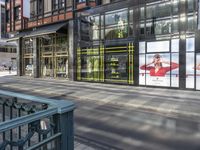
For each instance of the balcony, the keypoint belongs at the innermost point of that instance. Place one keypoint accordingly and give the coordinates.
(29, 122)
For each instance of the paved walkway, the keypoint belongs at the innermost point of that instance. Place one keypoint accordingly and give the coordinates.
(123, 117)
(6, 73)
(174, 101)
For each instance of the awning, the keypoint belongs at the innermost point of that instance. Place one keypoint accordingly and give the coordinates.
(5, 44)
(17, 36)
(48, 29)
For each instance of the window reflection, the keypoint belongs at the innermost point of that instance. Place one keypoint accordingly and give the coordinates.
(116, 25)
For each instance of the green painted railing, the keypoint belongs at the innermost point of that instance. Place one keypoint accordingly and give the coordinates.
(30, 122)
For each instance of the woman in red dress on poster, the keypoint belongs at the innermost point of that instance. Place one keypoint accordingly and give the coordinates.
(198, 67)
(158, 69)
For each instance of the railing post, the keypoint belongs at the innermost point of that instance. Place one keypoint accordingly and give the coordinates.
(67, 129)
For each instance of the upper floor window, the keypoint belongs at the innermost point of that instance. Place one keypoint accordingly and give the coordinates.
(69, 3)
(7, 16)
(191, 5)
(116, 25)
(47, 6)
(40, 6)
(17, 13)
(33, 8)
(55, 4)
(62, 4)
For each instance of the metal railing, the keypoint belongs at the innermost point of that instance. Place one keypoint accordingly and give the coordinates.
(35, 123)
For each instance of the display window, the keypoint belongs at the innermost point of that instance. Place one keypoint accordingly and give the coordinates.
(119, 64)
(106, 64)
(116, 24)
(54, 56)
(90, 64)
(28, 57)
(159, 64)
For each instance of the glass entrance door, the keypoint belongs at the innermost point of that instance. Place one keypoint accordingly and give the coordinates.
(28, 66)
(47, 67)
(61, 67)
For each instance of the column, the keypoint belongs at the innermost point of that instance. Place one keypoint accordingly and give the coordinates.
(36, 58)
(72, 58)
(19, 57)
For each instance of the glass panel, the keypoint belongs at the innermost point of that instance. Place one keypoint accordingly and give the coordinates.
(175, 6)
(142, 47)
(116, 25)
(163, 27)
(95, 27)
(47, 67)
(142, 76)
(190, 5)
(62, 67)
(47, 6)
(116, 66)
(131, 22)
(142, 16)
(69, 3)
(175, 26)
(159, 10)
(192, 23)
(190, 70)
(198, 72)
(90, 68)
(175, 72)
(190, 44)
(28, 63)
(175, 45)
(160, 46)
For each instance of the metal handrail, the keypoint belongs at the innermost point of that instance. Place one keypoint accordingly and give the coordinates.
(60, 110)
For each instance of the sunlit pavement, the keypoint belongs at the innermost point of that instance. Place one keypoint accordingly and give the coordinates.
(122, 117)
(7, 73)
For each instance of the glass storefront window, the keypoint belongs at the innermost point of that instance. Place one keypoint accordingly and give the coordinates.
(117, 66)
(116, 25)
(192, 23)
(90, 64)
(159, 66)
(95, 27)
(54, 55)
(142, 13)
(175, 6)
(162, 27)
(131, 22)
(190, 57)
(28, 57)
(191, 5)
(175, 25)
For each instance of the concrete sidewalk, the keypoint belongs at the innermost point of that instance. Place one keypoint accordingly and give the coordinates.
(122, 117)
(168, 101)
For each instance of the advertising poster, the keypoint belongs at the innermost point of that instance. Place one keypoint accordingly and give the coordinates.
(142, 72)
(198, 72)
(158, 68)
